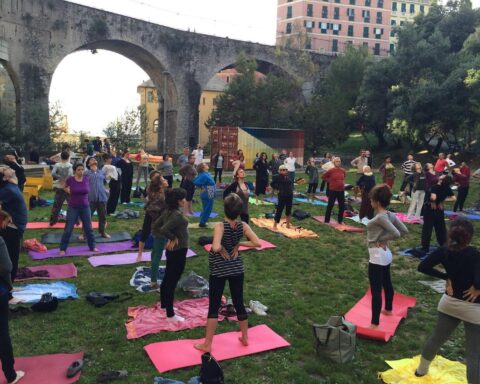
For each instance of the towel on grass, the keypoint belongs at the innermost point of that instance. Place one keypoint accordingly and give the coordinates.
(31, 293)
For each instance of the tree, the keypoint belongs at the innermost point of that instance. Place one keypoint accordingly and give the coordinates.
(126, 131)
(57, 121)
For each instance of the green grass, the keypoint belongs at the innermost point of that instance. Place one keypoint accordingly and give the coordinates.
(302, 282)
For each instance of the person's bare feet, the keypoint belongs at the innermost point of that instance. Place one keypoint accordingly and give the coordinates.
(387, 313)
(81, 237)
(275, 227)
(94, 249)
(204, 347)
(19, 377)
(61, 253)
(105, 235)
(154, 285)
(373, 326)
(243, 340)
(289, 225)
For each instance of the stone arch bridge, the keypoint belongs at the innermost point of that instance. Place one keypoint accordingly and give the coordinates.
(36, 35)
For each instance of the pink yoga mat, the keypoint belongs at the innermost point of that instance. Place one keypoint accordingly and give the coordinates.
(169, 355)
(45, 225)
(361, 316)
(55, 272)
(125, 258)
(263, 245)
(46, 369)
(339, 227)
(83, 250)
(403, 217)
(150, 320)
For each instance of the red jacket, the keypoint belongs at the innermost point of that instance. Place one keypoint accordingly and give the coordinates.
(465, 170)
(335, 178)
(440, 165)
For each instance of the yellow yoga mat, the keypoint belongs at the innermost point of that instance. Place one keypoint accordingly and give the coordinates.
(441, 370)
(292, 233)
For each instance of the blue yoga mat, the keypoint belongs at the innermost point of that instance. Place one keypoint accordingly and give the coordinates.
(213, 214)
(315, 202)
(463, 215)
(31, 293)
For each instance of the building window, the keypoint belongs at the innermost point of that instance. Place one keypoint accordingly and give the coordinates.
(392, 48)
(412, 8)
(351, 2)
(150, 97)
(309, 25)
(155, 125)
(334, 45)
(422, 9)
(289, 30)
(214, 101)
(203, 100)
(351, 14)
(402, 23)
(289, 12)
(368, 3)
(365, 31)
(380, 4)
(337, 1)
(336, 28)
(379, 17)
(349, 42)
(324, 11)
(323, 27)
(336, 13)
(393, 24)
(378, 32)
(365, 45)
(366, 16)
(309, 10)
(350, 30)
(403, 8)
(308, 44)
(376, 49)
(394, 6)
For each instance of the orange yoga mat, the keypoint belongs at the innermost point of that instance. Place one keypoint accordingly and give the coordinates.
(339, 227)
(263, 245)
(361, 316)
(170, 355)
(45, 225)
(46, 369)
(292, 233)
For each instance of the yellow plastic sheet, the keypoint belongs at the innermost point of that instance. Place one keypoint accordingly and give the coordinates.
(292, 233)
(441, 371)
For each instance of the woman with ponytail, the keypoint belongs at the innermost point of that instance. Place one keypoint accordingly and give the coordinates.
(461, 301)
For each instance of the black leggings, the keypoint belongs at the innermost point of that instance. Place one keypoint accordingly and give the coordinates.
(462, 196)
(13, 239)
(146, 227)
(340, 197)
(115, 187)
(379, 277)
(433, 218)
(245, 217)
(283, 202)
(312, 187)
(175, 265)
(6, 351)
(217, 285)
(218, 172)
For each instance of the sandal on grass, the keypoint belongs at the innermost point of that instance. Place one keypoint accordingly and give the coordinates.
(111, 375)
(74, 368)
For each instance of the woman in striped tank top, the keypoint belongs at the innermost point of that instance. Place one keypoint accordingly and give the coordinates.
(225, 263)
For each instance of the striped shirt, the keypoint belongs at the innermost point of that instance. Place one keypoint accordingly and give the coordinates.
(220, 267)
(408, 167)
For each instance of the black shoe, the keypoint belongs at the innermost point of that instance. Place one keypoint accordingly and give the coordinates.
(417, 374)
(202, 225)
(74, 368)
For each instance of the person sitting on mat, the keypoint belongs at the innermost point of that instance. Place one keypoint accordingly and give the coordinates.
(240, 187)
(335, 178)
(77, 187)
(284, 185)
(173, 226)
(433, 213)
(460, 302)
(205, 181)
(225, 264)
(383, 227)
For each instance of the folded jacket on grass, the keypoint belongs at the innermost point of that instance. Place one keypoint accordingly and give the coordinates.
(292, 233)
(441, 371)
(46, 369)
(263, 245)
(31, 293)
(361, 316)
(82, 250)
(56, 237)
(150, 320)
(169, 355)
(54, 272)
(45, 225)
(142, 277)
(339, 227)
(125, 258)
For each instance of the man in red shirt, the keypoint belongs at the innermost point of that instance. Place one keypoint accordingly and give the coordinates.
(440, 165)
(335, 178)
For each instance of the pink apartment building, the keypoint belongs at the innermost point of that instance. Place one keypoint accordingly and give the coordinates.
(328, 26)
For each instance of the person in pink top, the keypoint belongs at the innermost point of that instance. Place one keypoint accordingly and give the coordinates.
(440, 165)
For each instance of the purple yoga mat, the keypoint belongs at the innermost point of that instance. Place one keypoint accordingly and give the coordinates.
(55, 272)
(82, 250)
(125, 258)
(212, 215)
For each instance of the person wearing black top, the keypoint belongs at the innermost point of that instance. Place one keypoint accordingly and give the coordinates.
(461, 301)
(274, 163)
(218, 162)
(261, 179)
(284, 185)
(126, 168)
(366, 182)
(433, 212)
(11, 161)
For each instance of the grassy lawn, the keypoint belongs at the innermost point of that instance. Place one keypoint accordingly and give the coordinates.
(302, 282)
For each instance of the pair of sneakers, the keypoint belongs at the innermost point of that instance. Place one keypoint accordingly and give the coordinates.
(258, 308)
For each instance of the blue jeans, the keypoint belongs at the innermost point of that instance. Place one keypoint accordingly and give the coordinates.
(73, 214)
(207, 206)
(291, 176)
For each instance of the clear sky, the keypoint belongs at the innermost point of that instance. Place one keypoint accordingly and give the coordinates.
(94, 89)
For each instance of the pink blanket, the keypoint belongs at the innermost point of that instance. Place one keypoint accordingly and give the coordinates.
(405, 219)
(55, 272)
(147, 320)
(169, 355)
(263, 245)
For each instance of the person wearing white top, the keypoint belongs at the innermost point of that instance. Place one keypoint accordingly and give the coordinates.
(198, 152)
(113, 180)
(450, 162)
(290, 163)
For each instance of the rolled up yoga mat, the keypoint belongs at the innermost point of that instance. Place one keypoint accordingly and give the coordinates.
(56, 237)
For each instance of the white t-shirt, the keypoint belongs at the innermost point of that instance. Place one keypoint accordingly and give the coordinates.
(290, 163)
(380, 256)
(110, 172)
(198, 156)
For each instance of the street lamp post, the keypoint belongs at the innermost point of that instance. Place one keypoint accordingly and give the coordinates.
(164, 144)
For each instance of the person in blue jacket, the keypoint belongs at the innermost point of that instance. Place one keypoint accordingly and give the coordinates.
(205, 182)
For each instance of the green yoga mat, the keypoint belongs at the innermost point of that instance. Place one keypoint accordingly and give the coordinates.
(55, 238)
